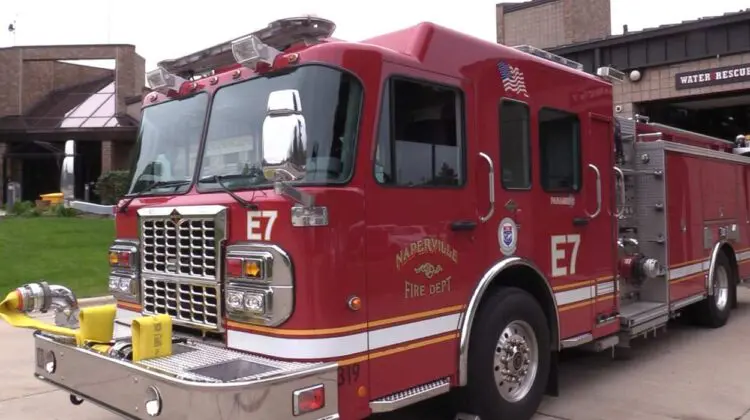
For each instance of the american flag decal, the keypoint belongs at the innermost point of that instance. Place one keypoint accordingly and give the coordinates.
(513, 80)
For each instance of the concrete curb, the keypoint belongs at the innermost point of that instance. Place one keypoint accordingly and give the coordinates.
(95, 301)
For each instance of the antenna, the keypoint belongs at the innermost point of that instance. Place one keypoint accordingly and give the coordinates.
(12, 29)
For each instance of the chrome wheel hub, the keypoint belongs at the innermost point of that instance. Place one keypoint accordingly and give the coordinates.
(516, 361)
(721, 288)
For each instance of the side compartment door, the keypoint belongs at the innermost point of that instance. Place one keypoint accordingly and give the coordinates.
(421, 224)
(575, 197)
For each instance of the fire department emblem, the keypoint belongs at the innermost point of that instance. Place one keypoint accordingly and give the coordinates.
(507, 235)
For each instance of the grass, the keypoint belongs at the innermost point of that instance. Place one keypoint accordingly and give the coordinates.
(67, 251)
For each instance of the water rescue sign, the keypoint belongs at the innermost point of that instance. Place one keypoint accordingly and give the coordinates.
(712, 77)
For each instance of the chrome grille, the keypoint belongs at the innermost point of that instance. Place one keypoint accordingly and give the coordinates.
(185, 246)
(191, 303)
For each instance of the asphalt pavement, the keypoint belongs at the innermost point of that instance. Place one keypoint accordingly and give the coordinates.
(687, 373)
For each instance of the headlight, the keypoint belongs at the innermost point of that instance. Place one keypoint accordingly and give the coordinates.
(259, 287)
(245, 303)
(124, 281)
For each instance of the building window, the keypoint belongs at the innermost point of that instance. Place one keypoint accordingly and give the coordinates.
(560, 150)
(420, 141)
(515, 150)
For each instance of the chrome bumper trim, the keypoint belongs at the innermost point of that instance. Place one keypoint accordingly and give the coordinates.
(122, 387)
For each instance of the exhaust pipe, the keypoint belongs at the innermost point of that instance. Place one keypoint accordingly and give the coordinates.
(42, 297)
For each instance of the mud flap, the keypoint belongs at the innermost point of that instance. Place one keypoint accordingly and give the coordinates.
(553, 385)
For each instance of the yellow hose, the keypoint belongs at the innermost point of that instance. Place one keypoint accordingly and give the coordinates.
(96, 322)
(152, 335)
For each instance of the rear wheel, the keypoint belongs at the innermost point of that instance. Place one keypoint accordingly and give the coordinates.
(714, 311)
(509, 357)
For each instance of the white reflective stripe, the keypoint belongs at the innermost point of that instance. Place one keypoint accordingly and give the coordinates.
(605, 288)
(584, 293)
(413, 331)
(689, 270)
(331, 347)
(574, 295)
(298, 348)
(699, 267)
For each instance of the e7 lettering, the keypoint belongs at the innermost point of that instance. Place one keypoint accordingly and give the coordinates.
(255, 231)
(561, 265)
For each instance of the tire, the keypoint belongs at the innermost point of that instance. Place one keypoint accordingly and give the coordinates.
(507, 310)
(714, 311)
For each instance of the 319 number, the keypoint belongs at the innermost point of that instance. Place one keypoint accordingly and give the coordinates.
(348, 374)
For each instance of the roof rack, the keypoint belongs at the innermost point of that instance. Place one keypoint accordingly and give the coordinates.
(279, 34)
(549, 56)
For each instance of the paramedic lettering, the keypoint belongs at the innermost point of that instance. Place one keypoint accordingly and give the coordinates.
(512, 77)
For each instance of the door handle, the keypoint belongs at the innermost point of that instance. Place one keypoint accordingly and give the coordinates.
(486, 217)
(598, 192)
(463, 225)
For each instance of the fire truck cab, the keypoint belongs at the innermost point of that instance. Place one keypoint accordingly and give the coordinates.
(337, 229)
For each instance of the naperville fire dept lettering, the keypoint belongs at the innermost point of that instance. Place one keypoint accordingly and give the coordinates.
(430, 271)
(423, 247)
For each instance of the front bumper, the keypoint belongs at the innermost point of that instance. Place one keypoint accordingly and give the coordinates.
(196, 382)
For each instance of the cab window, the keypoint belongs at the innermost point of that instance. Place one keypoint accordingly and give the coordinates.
(559, 150)
(515, 147)
(420, 139)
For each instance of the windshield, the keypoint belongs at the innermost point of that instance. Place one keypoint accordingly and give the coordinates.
(330, 103)
(167, 146)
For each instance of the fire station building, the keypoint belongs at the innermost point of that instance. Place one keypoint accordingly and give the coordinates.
(693, 75)
(46, 99)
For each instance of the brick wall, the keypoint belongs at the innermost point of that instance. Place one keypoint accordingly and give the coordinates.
(10, 81)
(41, 77)
(541, 26)
(30, 73)
(551, 23)
(659, 82)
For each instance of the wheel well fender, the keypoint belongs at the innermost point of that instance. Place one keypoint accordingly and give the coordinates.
(509, 272)
(726, 248)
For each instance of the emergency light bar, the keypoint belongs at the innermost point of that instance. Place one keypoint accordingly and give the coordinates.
(549, 56)
(261, 45)
(162, 81)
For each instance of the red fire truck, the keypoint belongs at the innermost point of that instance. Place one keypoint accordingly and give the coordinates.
(345, 228)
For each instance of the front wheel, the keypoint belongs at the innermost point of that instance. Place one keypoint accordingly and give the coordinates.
(509, 357)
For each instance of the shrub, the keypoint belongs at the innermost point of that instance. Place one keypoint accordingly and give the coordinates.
(21, 208)
(111, 186)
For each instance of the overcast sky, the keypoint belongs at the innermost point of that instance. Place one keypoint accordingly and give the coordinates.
(162, 30)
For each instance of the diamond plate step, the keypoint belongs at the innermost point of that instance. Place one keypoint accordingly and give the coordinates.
(410, 396)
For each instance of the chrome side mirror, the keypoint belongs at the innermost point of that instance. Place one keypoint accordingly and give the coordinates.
(284, 145)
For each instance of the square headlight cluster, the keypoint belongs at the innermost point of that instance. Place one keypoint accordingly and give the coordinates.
(123, 271)
(248, 295)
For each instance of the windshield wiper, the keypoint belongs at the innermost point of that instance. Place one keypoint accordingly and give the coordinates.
(157, 184)
(219, 180)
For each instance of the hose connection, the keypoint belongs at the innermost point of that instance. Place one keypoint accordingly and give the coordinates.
(42, 297)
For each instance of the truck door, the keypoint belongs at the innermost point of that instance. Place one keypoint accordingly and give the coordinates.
(420, 221)
(573, 215)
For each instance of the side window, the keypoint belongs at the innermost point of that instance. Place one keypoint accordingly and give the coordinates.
(560, 150)
(515, 147)
(420, 139)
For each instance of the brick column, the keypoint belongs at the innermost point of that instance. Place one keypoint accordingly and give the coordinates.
(106, 156)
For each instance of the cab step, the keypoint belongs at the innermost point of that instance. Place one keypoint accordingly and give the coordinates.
(410, 396)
